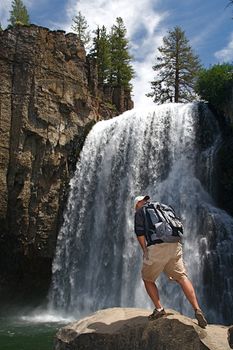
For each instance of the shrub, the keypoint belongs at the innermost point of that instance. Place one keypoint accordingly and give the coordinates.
(215, 84)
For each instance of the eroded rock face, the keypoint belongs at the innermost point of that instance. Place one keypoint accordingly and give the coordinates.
(224, 164)
(224, 156)
(47, 106)
(228, 109)
(128, 328)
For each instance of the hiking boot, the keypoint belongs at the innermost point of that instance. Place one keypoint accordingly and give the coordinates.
(156, 314)
(200, 318)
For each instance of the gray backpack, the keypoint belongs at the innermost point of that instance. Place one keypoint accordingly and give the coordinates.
(162, 224)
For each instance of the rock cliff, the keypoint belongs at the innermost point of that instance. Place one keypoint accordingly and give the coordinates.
(224, 157)
(128, 328)
(49, 99)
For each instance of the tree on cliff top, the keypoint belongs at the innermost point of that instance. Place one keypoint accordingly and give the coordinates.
(101, 53)
(18, 14)
(177, 67)
(80, 26)
(215, 84)
(0, 26)
(121, 69)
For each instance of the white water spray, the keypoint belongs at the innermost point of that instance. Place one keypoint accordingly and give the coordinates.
(98, 260)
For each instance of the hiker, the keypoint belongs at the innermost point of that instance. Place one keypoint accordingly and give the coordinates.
(162, 251)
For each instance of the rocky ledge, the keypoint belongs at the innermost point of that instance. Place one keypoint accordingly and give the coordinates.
(129, 328)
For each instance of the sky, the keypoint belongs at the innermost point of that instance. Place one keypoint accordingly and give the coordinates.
(208, 25)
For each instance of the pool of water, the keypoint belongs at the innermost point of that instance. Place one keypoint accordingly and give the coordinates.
(28, 333)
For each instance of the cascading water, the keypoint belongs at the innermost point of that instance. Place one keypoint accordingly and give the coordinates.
(98, 259)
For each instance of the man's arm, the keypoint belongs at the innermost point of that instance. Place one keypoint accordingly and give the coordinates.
(142, 242)
(139, 227)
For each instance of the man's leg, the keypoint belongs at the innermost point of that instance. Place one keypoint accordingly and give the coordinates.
(189, 291)
(175, 269)
(153, 293)
(153, 265)
(185, 284)
(190, 294)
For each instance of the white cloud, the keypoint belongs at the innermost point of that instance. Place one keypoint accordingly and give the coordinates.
(144, 71)
(5, 6)
(99, 12)
(226, 54)
(139, 17)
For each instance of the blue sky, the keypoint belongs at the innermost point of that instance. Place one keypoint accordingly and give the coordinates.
(207, 23)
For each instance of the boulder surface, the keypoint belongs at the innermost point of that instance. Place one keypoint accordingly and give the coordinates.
(129, 328)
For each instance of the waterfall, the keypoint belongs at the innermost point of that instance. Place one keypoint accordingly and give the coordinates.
(98, 259)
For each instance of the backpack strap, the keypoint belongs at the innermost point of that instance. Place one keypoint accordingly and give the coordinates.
(160, 213)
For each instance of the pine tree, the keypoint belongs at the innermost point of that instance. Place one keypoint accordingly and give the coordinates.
(18, 14)
(0, 27)
(101, 53)
(121, 69)
(80, 26)
(177, 67)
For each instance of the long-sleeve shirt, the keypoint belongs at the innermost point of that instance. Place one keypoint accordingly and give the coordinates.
(139, 222)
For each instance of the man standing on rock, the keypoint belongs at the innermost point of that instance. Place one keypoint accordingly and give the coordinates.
(161, 255)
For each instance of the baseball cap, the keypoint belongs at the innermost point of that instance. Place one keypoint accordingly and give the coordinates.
(140, 198)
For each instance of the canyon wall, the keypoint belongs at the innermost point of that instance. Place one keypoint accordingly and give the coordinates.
(49, 100)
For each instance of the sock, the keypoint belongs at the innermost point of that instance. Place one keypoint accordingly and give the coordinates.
(160, 309)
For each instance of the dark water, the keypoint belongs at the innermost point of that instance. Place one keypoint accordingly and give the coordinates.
(19, 334)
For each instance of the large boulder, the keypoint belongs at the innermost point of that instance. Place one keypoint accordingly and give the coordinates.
(129, 328)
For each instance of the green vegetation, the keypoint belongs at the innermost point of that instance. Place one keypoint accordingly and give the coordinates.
(0, 26)
(80, 26)
(102, 54)
(18, 14)
(121, 69)
(215, 84)
(177, 67)
(111, 52)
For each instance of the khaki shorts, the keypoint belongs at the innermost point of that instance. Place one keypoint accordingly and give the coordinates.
(164, 257)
